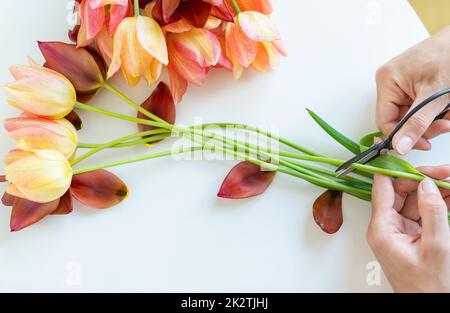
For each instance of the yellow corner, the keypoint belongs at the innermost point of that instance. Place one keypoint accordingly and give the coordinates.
(435, 14)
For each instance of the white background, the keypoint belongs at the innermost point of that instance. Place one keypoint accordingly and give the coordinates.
(173, 234)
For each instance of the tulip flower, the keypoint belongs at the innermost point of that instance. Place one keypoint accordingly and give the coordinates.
(253, 40)
(38, 133)
(97, 189)
(84, 68)
(40, 91)
(41, 176)
(95, 14)
(139, 50)
(191, 54)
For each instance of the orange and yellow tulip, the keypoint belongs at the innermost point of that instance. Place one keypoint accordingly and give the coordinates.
(139, 50)
(40, 91)
(39, 133)
(41, 176)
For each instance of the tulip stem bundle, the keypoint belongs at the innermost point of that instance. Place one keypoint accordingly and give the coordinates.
(280, 161)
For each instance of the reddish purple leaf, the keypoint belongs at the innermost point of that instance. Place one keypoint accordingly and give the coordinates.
(195, 11)
(98, 189)
(327, 211)
(26, 213)
(245, 180)
(75, 120)
(65, 205)
(7, 199)
(161, 104)
(77, 64)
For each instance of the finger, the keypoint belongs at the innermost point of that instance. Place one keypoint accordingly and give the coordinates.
(391, 100)
(416, 126)
(434, 214)
(405, 186)
(383, 197)
(437, 128)
(441, 172)
(411, 209)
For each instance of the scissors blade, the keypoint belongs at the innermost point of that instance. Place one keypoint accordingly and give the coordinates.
(361, 158)
(369, 157)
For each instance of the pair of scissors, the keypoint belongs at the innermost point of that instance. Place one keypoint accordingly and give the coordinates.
(376, 150)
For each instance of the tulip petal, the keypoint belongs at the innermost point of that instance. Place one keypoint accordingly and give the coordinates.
(98, 189)
(198, 45)
(76, 64)
(258, 27)
(92, 19)
(161, 104)
(327, 211)
(266, 58)
(168, 8)
(3, 179)
(151, 38)
(65, 205)
(180, 26)
(239, 46)
(116, 14)
(188, 69)
(246, 180)
(261, 6)
(195, 11)
(222, 12)
(26, 213)
(105, 45)
(178, 85)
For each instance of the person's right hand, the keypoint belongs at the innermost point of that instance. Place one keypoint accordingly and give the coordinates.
(406, 81)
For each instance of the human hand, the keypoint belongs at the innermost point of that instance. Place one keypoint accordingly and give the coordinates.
(409, 232)
(407, 80)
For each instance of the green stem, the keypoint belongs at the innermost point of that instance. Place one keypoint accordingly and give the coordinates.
(155, 137)
(236, 6)
(111, 144)
(136, 159)
(137, 10)
(265, 133)
(371, 169)
(85, 107)
(132, 103)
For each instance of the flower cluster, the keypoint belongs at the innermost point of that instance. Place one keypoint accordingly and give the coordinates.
(38, 169)
(188, 37)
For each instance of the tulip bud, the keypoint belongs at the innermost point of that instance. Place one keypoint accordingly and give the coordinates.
(41, 176)
(40, 91)
(39, 133)
(82, 67)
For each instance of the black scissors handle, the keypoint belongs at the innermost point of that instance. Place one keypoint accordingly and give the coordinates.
(416, 109)
(375, 151)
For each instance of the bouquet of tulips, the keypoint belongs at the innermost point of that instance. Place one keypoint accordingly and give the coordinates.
(43, 174)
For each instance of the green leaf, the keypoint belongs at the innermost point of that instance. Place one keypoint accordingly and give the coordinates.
(336, 135)
(391, 162)
(369, 140)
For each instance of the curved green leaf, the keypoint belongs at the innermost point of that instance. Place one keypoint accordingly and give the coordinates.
(369, 140)
(393, 163)
(336, 135)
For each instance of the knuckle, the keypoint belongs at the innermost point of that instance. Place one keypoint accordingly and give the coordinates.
(383, 72)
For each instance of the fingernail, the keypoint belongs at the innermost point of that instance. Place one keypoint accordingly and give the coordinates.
(404, 145)
(429, 186)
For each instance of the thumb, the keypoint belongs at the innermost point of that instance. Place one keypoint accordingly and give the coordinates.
(417, 125)
(434, 214)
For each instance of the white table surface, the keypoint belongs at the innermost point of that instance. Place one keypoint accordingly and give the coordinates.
(173, 234)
